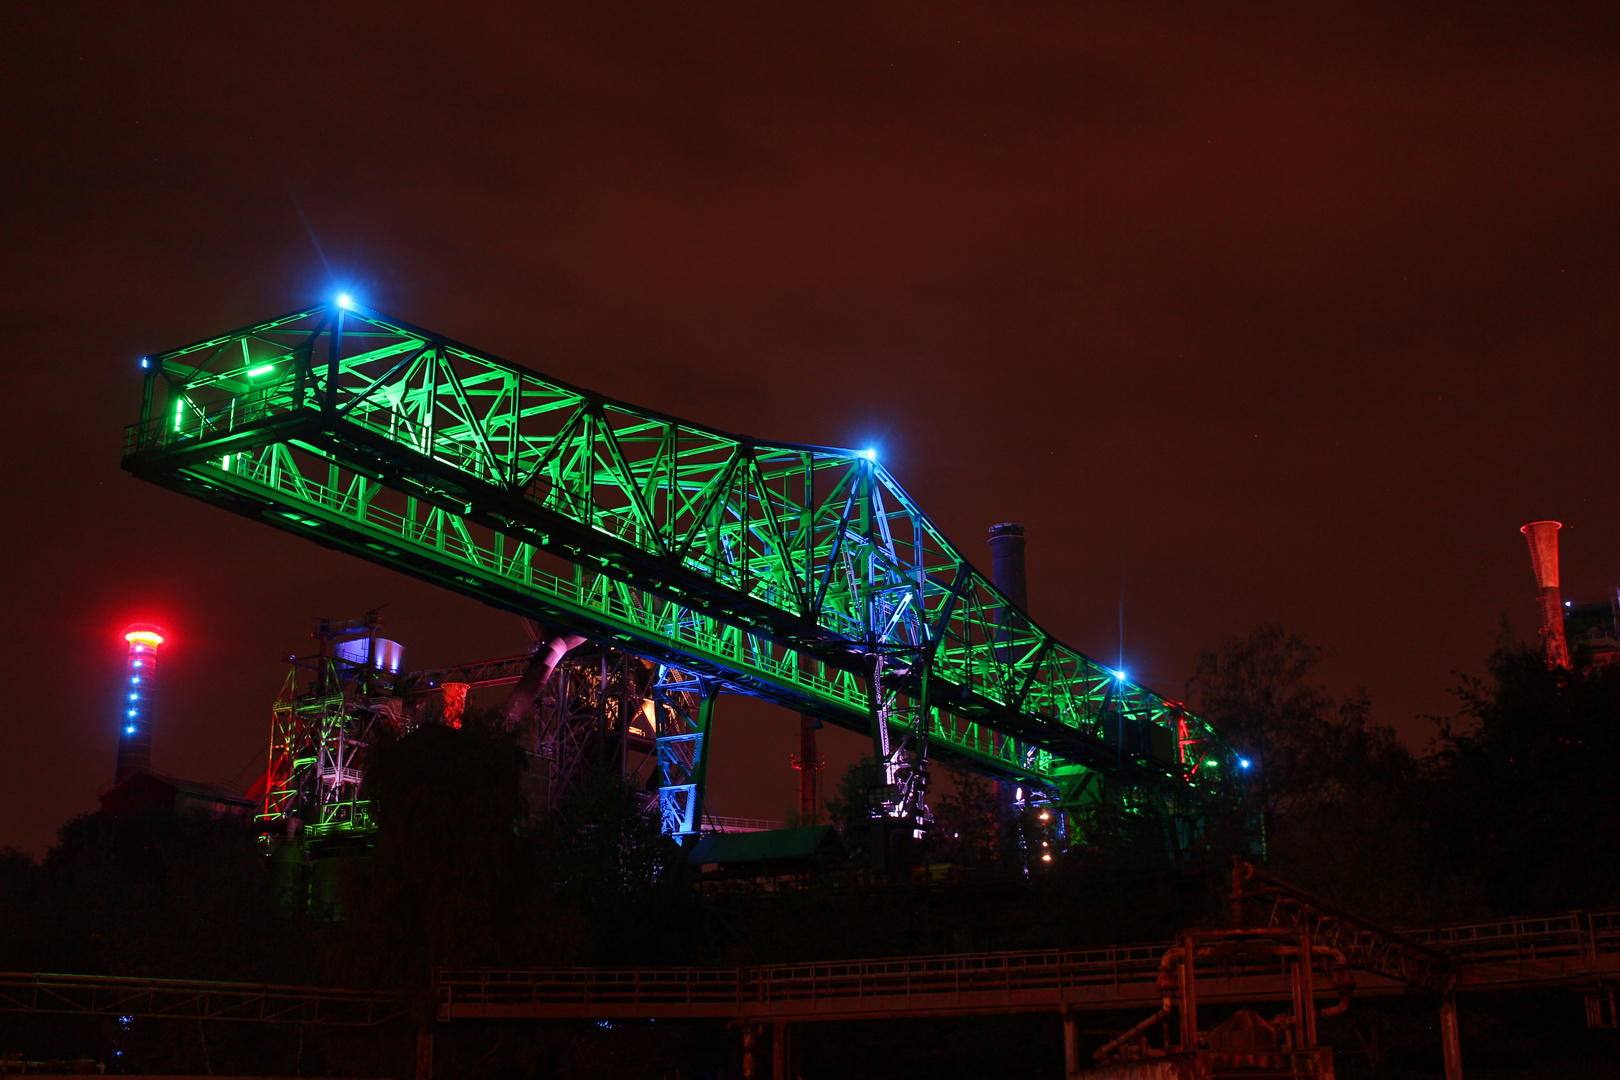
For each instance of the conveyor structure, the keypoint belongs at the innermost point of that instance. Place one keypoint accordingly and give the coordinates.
(801, 574)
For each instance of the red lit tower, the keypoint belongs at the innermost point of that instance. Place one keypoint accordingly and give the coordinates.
(1543, 539)
(135, 717)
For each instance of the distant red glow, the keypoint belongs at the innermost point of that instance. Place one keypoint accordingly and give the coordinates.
(455, 702)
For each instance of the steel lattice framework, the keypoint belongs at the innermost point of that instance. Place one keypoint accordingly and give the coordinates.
(801, 574)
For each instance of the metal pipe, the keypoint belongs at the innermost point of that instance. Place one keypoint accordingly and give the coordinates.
(543, 663)
(1167, 982)
(1344, 980)
(1108, 1048)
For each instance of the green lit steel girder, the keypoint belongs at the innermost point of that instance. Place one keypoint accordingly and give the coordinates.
(784, 571)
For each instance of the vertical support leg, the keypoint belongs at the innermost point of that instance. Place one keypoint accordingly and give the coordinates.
(779, 1051)
(1189, 997)
(424, 1053)
(1071, 1044)
(1450, 1043)
(877, 835)
(880, 721)
(748, 1050)
(808, 763)
(705, 722)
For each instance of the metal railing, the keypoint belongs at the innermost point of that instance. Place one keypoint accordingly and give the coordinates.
(721, 823)
(1574, 948)
(39, 992)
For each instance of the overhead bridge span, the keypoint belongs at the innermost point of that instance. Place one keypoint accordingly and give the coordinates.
(804, 575)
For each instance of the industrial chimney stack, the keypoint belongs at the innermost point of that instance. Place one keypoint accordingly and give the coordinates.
(1007, 574)
(1007, 563)
(135, 726)
(1543, 539)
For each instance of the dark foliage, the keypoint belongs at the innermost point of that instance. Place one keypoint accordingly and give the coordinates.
(1510, 812)
(1521, 788)
(156, 894)
(450, 881)
(1330, 798)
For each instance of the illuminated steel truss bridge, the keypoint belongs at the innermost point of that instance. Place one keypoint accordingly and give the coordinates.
(804, 575)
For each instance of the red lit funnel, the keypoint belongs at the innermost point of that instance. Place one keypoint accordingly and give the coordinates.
(1543, 538)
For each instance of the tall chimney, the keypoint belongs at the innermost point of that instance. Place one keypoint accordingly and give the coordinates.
(135, 723)
(1543, 538)
(1007, 563)
(1007, 574)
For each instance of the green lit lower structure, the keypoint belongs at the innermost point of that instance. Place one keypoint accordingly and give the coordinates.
(800, 574)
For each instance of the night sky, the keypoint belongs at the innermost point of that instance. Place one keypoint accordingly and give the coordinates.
(1248, 311)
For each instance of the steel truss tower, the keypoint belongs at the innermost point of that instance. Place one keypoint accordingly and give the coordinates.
(804, 575)
(601, 708)
(321, 733)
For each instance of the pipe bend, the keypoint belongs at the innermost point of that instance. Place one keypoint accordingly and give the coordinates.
(541, 665)
(1109, 1047)
(1344, 980)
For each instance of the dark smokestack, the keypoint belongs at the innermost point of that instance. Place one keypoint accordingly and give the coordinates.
(1543, 539)
(1007, 574)
(1007, 563)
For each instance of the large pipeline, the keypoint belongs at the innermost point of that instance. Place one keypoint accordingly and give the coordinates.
(541, 665)
(1167, 987)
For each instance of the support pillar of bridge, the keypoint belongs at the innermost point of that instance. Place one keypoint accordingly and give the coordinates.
(749, 1039)
(700, 782)
(877, 842)
(1071, 1044)
(781, 1061)
(424, 1053)
(808, 761)
(1450, 1042)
